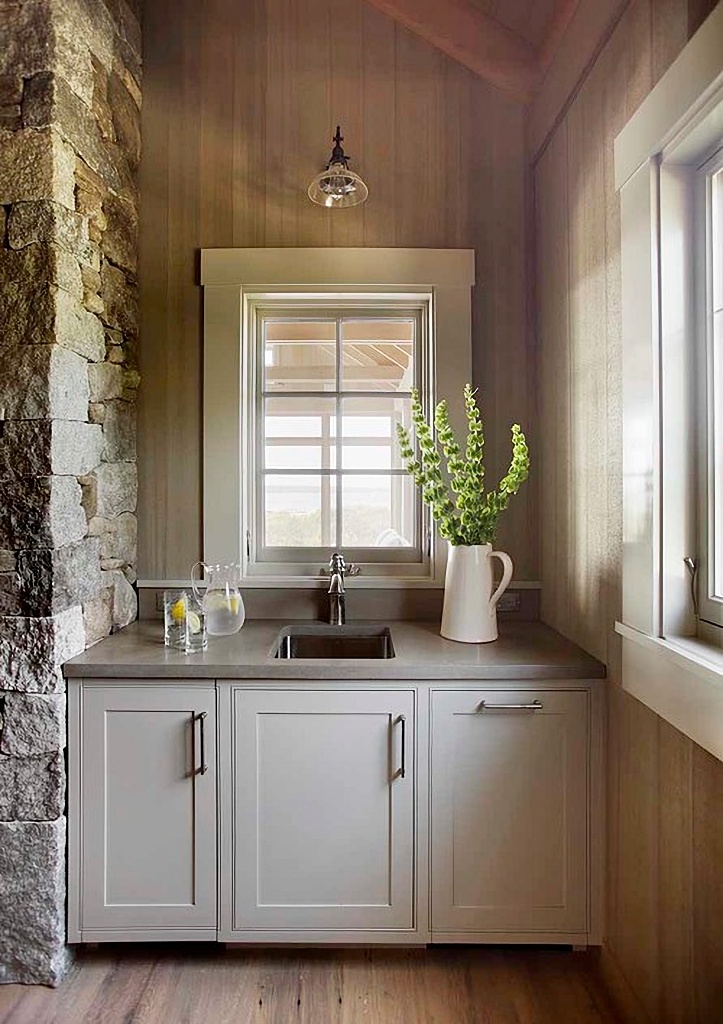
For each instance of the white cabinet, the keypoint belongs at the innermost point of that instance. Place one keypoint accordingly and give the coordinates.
(348, 812)
(142, 811)
(509, 826)
(320, 792)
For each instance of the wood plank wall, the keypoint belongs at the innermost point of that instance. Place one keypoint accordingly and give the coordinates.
(665, 794)
(240, 103)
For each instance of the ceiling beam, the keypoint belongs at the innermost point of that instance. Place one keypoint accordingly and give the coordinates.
(473, 38)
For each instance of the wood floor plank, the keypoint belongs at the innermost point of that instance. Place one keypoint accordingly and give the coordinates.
(207, 985)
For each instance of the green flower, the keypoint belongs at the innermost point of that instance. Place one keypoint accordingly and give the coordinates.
(464, 513)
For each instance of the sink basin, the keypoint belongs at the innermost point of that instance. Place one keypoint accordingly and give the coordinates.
(333, 642)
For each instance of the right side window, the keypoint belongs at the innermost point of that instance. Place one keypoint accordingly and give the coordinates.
(710, 251)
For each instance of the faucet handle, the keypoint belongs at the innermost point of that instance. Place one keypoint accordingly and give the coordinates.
(337, 563)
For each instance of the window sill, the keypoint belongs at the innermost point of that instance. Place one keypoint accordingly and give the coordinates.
(321, 583)
(680, 679)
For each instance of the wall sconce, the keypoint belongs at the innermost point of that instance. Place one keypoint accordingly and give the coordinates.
(337, 185)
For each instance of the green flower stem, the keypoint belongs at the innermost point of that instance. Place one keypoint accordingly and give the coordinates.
(462, 510)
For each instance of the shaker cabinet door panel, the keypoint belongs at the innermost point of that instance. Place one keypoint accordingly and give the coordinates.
(509, 811)
(323, 819)
(148, 826)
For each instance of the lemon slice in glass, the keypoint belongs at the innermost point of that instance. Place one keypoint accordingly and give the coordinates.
(194, 622)
(178, 610)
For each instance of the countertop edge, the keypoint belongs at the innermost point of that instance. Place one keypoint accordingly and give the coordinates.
(525, 652)
(310, 672)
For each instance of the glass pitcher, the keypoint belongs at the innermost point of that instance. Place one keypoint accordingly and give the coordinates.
(222, 601)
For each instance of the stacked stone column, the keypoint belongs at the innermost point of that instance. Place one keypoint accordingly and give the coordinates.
(69, 151)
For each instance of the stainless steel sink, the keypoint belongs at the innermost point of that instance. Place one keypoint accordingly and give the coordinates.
(332, 642)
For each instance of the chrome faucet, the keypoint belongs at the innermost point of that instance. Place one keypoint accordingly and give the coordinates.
(337, 593)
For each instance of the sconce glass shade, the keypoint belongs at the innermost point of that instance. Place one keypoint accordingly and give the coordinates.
(337, 186)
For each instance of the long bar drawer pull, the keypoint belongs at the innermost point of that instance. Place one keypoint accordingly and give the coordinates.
(403, 770)
(536, 705)
(203, 768)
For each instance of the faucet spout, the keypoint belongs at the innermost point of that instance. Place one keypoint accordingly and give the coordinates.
(337, 591)
(337, 609)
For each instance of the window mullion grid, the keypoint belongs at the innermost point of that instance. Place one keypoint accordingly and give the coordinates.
(336, 473)
(339, 518)
(258, 540)
(325, 482)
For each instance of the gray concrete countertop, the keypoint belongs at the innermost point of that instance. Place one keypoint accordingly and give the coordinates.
(524, 650)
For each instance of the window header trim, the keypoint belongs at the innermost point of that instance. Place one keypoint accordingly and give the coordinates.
(324, 267)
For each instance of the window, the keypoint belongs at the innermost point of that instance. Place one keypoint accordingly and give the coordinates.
(710, 329)
(310, 356)
(329, 382)
(668, 172)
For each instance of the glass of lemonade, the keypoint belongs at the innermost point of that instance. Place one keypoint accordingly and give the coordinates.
(184, 622)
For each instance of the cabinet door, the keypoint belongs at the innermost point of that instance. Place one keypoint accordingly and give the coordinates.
(148, 813)
(509, 812)
(323, 814)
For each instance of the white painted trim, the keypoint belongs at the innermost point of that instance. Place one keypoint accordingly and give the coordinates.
(641, 400)
(319, 267)
(681, 679)
(680, 99)
(596, 816)
(228, 275)
(710, 606)
(146, 935)
(676, 376)
(222, 415)
(75, 802)
(656, 155)
(413, 563)
(511, 938)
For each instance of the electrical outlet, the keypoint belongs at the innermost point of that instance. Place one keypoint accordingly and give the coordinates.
(511, 601)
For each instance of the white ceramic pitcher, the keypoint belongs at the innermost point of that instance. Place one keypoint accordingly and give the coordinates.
(470, 607)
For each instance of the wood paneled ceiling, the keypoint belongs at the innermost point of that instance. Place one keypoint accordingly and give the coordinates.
(526, 18)
(510, 43)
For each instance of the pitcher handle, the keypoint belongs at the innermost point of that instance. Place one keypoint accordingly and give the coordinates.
(506, 576)
(194, 582)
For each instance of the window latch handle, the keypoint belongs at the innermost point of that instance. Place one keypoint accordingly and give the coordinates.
(692, 566)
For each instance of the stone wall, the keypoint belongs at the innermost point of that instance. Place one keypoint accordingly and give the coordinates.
(69, 150)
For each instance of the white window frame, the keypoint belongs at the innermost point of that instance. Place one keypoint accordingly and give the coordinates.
(710, 606)
(389, 562)
(670, 661)
(233, 281)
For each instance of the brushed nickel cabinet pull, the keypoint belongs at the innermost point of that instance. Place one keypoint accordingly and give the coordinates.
(403, 769)
(203, 768)
(536, 705)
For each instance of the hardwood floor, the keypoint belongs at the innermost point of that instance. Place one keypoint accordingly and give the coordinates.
(198, 985)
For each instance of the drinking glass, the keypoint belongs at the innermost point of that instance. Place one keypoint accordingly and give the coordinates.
(184, 622)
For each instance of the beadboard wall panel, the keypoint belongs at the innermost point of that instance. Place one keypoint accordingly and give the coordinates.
(240, 103)
(664, 924)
